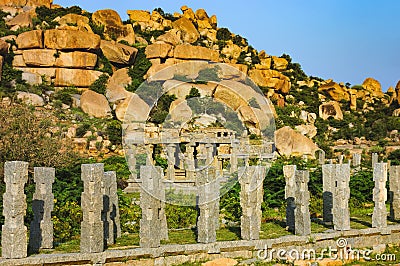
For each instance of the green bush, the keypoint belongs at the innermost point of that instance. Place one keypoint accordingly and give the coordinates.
(130, 213)
(223, 34)
(194, 93)
(394, 156)
(361, 188)
(138, 70)
(100, 84)
(65, 95)
(114, 132)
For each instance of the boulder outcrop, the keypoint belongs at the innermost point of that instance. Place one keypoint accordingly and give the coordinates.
(71, 39)
(291, 143)
(330, 109)
(95, 104)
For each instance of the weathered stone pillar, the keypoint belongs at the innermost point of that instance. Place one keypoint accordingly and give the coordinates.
(375, 159)
(14, 239)
(234, 154)
(340, 159)
(328, 180)
(153, 223)
(171, 149)
(133, 185)
(251, 197)
(302, 200)
(92, 226)
(108, 224)
(356, 160)
(208, 205)
(394, 179)
(149, 150)
(289, 172)
(190, 161)
(41, 230)
(114, 205)
(321, 157)
(379, 215)
(209, 154)
(341, 212)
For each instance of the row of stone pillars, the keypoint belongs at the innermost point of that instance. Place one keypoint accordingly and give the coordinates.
(100, 225)
(153, 225)
(336, 195)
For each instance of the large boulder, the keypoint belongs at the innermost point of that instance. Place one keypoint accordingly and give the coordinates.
(4, 47)
(118, 53)
(172, 37)
(271, 79)
(36, 3)
(39, 57)
(373, 86)
(23, 20)
(95, 104)
(71, 39)
(132, 109)
(13, 3)
(116, 86)
(139, 15)
(76, 77)
(279, 63)
(291, 143)
(32, 78)
(73, 19)
(180, 111)
(189, 31)
(113, 26)
(30, 39)
(335, 91)
(30, 98)
(398, 92)
(330, 109)
(76, 59)
(49, 72)
(158, 50)
(187, 51)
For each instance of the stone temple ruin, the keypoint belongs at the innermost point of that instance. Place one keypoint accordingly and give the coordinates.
(201, 159)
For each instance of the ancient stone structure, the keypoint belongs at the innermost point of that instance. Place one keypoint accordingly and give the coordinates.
(375, 158)
(114, 214)
(379, 215)
(92, 226)
(41, 230)
(14, 238)
(131, 160)
(251, 196)
(321, 156)
(328, 179)
(302, 201)
(208, 204)
(394, 179)
(108, 223)
(340, 159)
(341, 212)
(153, 227)
(356, 160)
(289, 172)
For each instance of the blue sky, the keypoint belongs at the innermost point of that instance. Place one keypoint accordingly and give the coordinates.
(346, 40)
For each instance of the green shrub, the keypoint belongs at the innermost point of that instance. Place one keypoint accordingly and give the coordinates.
(65, 95)
(223, 34)
(114, 132)
(361, 188)
(100, 84)
(194, 93)
(130, 213)
(138, 70)
(394, 156)
(103, 64)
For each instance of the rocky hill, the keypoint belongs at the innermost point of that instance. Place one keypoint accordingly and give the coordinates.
(70, 61)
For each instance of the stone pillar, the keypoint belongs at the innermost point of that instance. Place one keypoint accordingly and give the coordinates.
(321, 157)
(133, 185)
(379, 215)
(356, 160)
(209, 154)
(41, 230)
(149, 150)
(251, 197)
(190, 161)
(208, 205)
(394, 179)
(92, 226)
(289, 172)
(375, 159)
(115, 218)
(328, 180)
(340, 159)
(302, 201)
(234, 154)
(107, 209)
(153, 223)
(341, 212)
(171, 149)
(14, 233)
